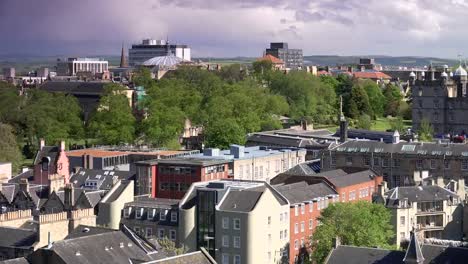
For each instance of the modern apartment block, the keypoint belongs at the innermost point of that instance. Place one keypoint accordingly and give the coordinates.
(153, 218)
(72, 66)
(236, 221)
(401, 163)
(171, 178)
(256, 163)
(150, 48)
(292, 58)
(432, 210)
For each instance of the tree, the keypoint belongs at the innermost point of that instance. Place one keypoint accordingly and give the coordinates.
(359, 102)
(376, 98)
(170, 247)
(426, 131)
(364, 122)
(113, 121)
(222, 133)
(262, 69)
(393, 99)
(357, 224)
(10, 150)
(232, 73)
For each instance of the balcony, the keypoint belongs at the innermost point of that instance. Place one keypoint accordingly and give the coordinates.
(430, 222)
(430, 207)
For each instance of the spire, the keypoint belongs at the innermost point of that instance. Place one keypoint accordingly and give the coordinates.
(123, 59)
(413, 252)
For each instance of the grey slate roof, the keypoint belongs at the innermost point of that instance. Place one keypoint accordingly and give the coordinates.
(340, 178)
(17, 237)
(47, 151)
(25, 175)
(107, 177)
(197, 257)
(241, 200)
(93, 196)
(117, 192)
(279, 140)
(432, 255)
(419, 193)
(144, 201)
(15, 261)
(84, 230)
(305, 168)
(303, 192)
(387, 137)
(408, 148)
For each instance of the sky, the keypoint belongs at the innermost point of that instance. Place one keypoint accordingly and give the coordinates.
(228, 28)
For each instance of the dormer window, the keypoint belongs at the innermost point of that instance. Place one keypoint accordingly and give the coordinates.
(151, 214)
(127, 212)
(139, 212)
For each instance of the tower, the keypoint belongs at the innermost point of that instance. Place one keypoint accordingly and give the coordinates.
(123, 59)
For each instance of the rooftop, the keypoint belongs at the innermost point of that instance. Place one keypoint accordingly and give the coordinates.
(195, 161)
(301, 192)
(144, 201)
(419, 194)
(240, 152)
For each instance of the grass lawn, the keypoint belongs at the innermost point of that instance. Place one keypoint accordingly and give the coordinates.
(383, 124)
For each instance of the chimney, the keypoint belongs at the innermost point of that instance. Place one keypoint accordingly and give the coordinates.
(382, 188)
(41, 143)
(68, 196)
(396, 137)
(440, 181)
(62, 146)
(24, 185)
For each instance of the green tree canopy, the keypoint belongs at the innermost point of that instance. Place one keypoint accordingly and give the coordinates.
(10, 151)
(357, 224)
(358, 102)
(393, 99)
(113, 121)
(364, 122)
(426, 131)
(376, 98)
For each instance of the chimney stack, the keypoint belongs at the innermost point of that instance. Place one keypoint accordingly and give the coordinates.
(41, 143)
(24, 185)
(68, 196)
(396, 137)
(62, 145)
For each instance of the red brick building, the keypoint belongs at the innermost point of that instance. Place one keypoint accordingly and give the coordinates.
(171, 178)
(49, 161)
(310, 194)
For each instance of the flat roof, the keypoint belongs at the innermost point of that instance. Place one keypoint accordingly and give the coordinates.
(110, 153)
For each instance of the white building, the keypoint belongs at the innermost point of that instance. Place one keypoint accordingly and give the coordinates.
(150, 48)
(74, 65)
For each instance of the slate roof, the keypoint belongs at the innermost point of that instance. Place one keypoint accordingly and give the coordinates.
(305, 168)
(105, 177)
(84, 230)
(432, 255)
(117, 192)
(107, 247)
(24, 175)
(197, 257)
(408, 148)
(154, 202)
(47, 151)
(240, 200)
(301, 192)
(279, 140)
(15, 261)
(74, 87)
(419, 194)
(11, 237)
(387, 137)
(35, 192)
(340, 178)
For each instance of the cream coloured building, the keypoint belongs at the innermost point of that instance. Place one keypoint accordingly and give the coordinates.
(257, 163)
(238, 221)
(434, 211)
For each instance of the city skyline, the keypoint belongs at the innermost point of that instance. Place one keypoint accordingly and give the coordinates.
(233, 28)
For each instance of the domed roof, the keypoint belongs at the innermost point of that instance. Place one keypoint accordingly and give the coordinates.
(412, 74)
(163, 61)
(460, 72)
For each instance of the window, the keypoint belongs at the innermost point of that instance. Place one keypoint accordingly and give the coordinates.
(161, 233)
(137, 229)
(333, 161)
(436, 116)
(269, 220)
(225, 223)
(402, 221)
(296, 210)
(162, 215)
(376, 161)
(261, 172)
(436, 103)
(367, 160)
(139, 213)
(385, 162)
(419, 164)
(396, 163)
(433, 163)
(269, 256)
(302, 208)
(302, 242)
(172, 234)
(225, 258)
(127, 212)
(269, 238)
(352, 195)
(281, 234)
(149, 232)
(237, 241)
(296, 244)
(464, 164)
(302, 226)
(225, 240)
(237, 259)
(447, 164)
(256, 173)
(236, 224)
(285, 234)
(349, 160)
(281, 217)
(311, 224)
(296, 228)
(343, 197)
(173, 216)
(151, 214)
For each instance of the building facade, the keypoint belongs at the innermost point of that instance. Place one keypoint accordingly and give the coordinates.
(439, 96)
(401, 163)
(236, 221)
(150, 48)
(73, 66)
(292, 58)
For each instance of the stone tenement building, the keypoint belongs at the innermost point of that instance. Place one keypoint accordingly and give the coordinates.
(441, 97)
(402, 163)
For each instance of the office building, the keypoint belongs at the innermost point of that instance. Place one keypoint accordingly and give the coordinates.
(73, 66)
(236, 221)
(292, 58)
(151, 48)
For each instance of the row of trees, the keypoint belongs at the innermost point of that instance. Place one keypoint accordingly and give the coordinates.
(228, 104)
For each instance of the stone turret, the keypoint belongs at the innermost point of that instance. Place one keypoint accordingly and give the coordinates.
(123, 59)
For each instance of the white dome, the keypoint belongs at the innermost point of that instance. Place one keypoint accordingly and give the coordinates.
(460, 72)
(412, 74)
(163, 61)
(444, 74)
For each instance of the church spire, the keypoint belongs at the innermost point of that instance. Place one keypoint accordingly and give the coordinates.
(123, 59)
